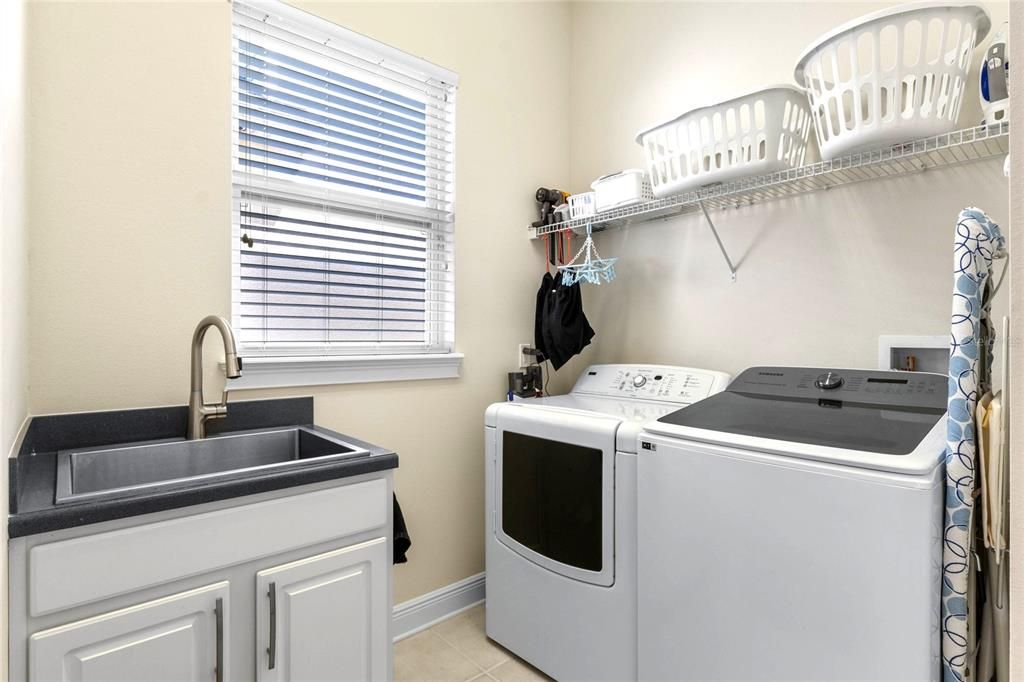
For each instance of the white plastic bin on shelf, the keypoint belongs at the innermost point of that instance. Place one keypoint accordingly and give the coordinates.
(892, 76)
(617, 190)
(582, 205)
(761, 132)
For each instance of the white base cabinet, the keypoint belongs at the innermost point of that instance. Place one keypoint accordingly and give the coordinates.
(324, 618)
(170, 596)
(178, 638)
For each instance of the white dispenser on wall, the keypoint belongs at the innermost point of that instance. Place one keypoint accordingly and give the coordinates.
(993, 85)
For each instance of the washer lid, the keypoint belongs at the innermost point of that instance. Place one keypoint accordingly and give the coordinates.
(885, 413)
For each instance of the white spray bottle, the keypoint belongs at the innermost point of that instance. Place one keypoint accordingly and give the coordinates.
(993, 85)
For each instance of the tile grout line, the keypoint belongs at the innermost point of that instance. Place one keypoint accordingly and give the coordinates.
(480, 668)
(497, 665)
(507, 656)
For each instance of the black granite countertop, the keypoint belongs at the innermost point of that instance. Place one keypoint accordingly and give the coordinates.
(33, 473)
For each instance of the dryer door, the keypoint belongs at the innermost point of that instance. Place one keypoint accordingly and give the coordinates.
(555, 491)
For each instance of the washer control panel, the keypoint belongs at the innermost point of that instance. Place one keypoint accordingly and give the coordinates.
(877, 387)
(663, 383)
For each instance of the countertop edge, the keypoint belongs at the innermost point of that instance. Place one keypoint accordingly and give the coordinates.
(72, 516)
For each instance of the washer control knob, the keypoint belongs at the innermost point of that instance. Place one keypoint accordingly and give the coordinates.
(828, 381)
(639, 380)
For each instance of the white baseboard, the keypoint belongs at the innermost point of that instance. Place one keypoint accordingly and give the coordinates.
(420, 613)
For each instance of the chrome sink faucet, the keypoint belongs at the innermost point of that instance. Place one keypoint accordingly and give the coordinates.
(198, 411)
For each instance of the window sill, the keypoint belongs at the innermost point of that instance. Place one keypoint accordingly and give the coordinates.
(281, 372)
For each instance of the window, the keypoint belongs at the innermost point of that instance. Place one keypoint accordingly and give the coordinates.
(343, 166)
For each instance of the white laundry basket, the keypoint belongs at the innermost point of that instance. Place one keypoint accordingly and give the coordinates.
(892, 76)
(762, 132)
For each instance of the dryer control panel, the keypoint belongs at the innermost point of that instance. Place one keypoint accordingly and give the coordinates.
(664, 383)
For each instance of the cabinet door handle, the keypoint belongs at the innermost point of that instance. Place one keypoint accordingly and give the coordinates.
(272, 649)
(218, 611)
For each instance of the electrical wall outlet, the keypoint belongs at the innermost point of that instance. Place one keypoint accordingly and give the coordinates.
(524, 360)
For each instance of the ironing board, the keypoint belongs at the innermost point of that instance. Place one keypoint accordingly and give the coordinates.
(976, 243)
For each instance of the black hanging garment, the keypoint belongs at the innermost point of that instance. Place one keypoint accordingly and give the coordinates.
(402, 540)
(565, 330)
(547, 283)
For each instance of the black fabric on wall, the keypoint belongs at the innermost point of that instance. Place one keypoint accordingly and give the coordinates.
(402, 540)
(564, 329)
(547, 283)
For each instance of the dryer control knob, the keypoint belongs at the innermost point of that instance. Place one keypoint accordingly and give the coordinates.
(828, 381)
(639, 380)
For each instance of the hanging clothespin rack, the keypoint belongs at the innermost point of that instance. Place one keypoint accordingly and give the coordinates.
(592, 269)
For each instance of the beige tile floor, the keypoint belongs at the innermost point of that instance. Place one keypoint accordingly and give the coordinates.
(456, 650)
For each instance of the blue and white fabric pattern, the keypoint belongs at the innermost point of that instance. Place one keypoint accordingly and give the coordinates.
(976, 243)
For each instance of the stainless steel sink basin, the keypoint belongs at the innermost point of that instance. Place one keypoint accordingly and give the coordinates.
(124, 470)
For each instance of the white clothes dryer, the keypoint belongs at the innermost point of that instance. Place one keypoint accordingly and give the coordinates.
(561, 516)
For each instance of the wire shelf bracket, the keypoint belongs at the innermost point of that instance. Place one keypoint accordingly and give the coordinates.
(721, 246)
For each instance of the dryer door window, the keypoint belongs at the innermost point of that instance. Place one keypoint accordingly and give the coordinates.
(553, 491)
(552, 495)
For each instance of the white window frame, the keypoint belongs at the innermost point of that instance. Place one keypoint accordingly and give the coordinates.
(268, 368)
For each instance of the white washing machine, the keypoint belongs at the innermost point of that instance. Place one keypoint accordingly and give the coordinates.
(790, 528)
(561, 516)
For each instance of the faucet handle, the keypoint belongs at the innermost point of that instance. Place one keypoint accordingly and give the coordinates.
(217, 410)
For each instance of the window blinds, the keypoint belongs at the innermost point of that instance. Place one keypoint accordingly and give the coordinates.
(343, 162)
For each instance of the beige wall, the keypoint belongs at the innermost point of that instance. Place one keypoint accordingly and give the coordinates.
(13, 246)
(13, 265)
(130, 226)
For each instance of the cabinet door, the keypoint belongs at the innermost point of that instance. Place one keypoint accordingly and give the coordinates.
(180, 637)
(326, 617)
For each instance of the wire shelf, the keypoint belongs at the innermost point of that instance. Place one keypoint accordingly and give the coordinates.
(950, 149)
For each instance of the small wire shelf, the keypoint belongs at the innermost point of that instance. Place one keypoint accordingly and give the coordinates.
(950, 149)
